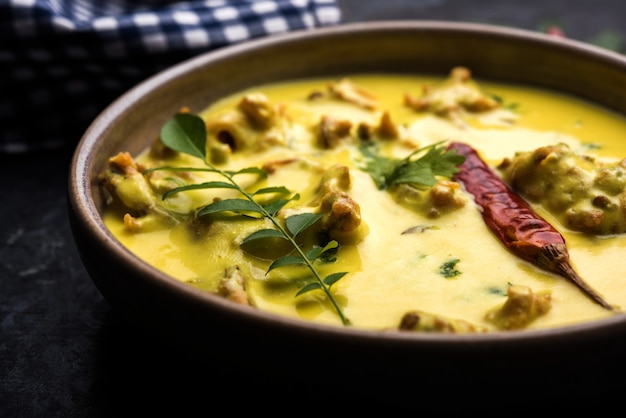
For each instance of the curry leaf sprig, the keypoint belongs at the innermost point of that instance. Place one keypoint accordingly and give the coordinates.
(423, 171)
(186, 133)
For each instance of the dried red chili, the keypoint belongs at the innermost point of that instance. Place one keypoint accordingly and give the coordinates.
(515, 223)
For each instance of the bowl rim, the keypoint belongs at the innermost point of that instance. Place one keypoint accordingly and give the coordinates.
(84, 210)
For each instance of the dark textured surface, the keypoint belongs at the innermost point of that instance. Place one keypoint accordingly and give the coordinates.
(65, 353)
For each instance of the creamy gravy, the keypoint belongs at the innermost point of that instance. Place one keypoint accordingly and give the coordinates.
(390, 273)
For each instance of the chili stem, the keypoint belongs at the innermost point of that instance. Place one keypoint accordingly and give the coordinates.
(555, 258)
(513, 220)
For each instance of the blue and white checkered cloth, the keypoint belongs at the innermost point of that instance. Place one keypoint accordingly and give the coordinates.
(63, 61)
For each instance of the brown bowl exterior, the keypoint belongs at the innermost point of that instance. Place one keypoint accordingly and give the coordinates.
(552, 364)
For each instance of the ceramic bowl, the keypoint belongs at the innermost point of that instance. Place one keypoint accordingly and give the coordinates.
(402, 367)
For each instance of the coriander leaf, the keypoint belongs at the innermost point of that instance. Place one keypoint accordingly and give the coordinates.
(185, 133)
(448, 268)
(377, 166)
(423, 171)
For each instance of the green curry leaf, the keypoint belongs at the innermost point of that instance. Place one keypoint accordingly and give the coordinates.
(328, 281)
(267, 190)
(249, 170)
(185, 133)
(263, 234)
(298, 223)
(309, 287)
(198, 186)
(240, 206)
(334, 278)
(273, 207)
(288, 260)
(321, 252)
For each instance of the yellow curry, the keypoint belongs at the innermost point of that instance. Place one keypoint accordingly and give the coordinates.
(400, 243)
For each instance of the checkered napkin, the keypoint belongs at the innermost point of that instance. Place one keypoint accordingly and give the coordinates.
(64, 61)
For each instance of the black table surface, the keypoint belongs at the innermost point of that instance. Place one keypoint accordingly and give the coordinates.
(65, 353)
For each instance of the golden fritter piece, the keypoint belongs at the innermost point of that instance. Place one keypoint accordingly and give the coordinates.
(521, 308)
(332, 132)
(255, 124)
(346, 90)
(443, 197)
(456, 94)
(141, 195)
(427, 322)
(585, 194)
(232, 286)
